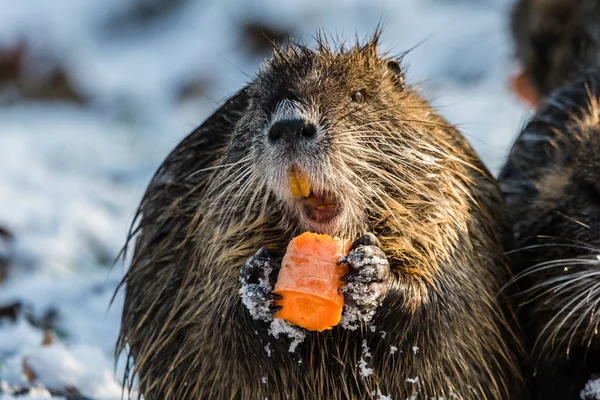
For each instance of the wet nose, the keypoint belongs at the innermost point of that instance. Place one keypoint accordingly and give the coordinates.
(292, 130)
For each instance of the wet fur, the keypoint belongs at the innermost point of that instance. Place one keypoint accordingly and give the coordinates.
(403, 174)
(551, 184)
(552, 188)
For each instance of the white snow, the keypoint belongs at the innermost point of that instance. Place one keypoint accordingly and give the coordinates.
(280, 327)
(365, 349)
(363, 369)
(591, 390)
(415, 349)
(71, 175)
(351, 317)
(393, 349)
(252, 297)
(34, 393)
(380, 396)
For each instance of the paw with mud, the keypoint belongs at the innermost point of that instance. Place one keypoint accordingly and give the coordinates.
(258, 276)
(366, 283)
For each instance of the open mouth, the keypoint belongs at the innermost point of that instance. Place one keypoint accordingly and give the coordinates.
(320, 205)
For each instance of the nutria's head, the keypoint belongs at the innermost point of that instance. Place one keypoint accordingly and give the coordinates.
(323, 130)
(554, 40)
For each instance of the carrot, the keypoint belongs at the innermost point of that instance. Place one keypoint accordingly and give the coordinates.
(309, 281)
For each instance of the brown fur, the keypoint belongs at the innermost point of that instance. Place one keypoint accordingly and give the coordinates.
(401, 171)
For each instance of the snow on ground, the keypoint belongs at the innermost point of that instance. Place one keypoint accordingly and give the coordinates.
(71, 174)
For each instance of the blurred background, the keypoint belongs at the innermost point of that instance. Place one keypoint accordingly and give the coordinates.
(95, 93)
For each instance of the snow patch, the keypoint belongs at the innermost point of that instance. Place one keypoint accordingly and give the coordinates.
(381, 396)
(33, 393)
(365, 349)
(253, 295)
(57, 368)
(18, 337)
(353, 317)
(591, 391)
(282, 327)
(363, 369)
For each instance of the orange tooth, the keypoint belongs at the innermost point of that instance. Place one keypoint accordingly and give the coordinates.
(298, 182)
(303, 183)
(293, 182)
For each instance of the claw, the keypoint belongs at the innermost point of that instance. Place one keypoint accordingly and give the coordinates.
(268, 254)
(258, 276)
(262, 253)
(367, 240)
(275, 254)
(274, 296)
(275, 309)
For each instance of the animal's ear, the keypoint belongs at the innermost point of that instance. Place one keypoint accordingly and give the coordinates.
(522, 87)
(395, 70)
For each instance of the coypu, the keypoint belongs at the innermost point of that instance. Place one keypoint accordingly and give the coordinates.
(425, 320)
(551, 183)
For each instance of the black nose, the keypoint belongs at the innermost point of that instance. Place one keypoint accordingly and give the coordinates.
(292, 130)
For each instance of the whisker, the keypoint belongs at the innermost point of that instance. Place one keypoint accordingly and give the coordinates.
(215, 167)
(546, 265)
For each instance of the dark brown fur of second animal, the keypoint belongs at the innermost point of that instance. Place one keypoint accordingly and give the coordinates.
(551, 183)
(398, 170)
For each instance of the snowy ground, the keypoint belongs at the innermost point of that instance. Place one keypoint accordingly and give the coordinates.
(71, 174)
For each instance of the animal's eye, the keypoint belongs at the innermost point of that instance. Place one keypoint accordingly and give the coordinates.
(359, 96)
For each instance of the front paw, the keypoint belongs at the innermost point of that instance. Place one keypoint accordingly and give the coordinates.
(366, 283)
(258, 276)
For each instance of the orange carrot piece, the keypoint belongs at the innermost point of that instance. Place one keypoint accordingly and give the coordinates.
(309, 281)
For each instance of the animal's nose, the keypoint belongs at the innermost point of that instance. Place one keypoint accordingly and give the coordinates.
(292, 130)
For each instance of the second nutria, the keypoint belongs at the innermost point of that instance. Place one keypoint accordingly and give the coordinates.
(551, 183)
(422, 318)
(552, 188)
